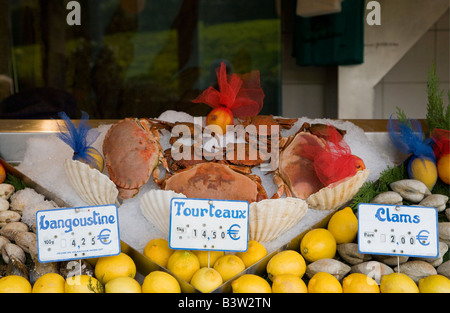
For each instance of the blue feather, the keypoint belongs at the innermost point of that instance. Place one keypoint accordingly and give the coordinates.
(78, 138)
(408, 138)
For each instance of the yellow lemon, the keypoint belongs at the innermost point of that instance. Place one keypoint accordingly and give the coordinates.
(425, 170)
(359, 283)
(206, 279)
(255, 252)
(318, 244)
(398, 283)
(250, 283)
(110, 267)
(434, 284)
(158, 251)
(160, 282)
(82, 284)
(14, 284)
(203, 256)
(344, 226)
(184, 264)
(288, 283)
(323, 282)
(49, 283)
(443, 166)
(123, 284)
(286, 262)
(229, 266)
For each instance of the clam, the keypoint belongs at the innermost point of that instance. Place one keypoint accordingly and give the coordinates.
(443, 248)
(270, 218)
(11, 250)
(8, 217)
(332, 266)
(436, 201)
(155, 206)
(6, 190)
(416, 269)
(372, 269)
(91, 185)
(411, 189)
(444, 269)
(349, 252)
(388, 197)
(444, 232)
(391, 260)
(10, 230)
(336, 194)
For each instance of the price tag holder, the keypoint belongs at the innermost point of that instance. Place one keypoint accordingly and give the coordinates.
(207, 224)
(398, 230)
(77, 233)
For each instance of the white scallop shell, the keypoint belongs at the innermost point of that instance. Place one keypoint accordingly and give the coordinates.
(270, 218)
(337, 194)
(155, 206)
(92, 186)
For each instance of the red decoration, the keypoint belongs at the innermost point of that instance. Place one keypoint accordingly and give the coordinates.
(441, 139)
(242, 94)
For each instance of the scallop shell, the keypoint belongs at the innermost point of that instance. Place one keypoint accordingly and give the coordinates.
(270, 218)
(335, 195)
(155, 206)
(92, 186)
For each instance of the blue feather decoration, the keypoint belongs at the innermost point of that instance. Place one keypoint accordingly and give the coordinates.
(80, 139)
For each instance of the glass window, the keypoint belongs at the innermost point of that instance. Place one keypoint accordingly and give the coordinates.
(143, 57)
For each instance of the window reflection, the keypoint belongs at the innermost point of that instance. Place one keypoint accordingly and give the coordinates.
(143, 57)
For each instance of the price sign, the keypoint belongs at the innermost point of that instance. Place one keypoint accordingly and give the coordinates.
(398, 230)
(77, 233)
(205, 224)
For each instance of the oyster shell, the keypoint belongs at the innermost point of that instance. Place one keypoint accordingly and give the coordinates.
(270, 218)
(25, 240)
(436, 201)
(9, 216)
(4, 204)
(10, 230)
(92, 186)
(6, 190)
(388, 197)
(155, 206)
(411, 189)
(332, 266)
(335, 195)
(11, 250)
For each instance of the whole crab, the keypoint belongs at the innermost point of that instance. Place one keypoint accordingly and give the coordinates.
(212, 180)
(132, 154)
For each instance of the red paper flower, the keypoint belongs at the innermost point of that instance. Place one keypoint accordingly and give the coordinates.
(242, 94)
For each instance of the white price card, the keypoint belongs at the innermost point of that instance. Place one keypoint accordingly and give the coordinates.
(398, 230)
(207, 224)
(77, 233)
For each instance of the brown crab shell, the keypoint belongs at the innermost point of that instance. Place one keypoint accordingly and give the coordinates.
(131, 154)
(339, 193)
(270, 218)
(213, 181)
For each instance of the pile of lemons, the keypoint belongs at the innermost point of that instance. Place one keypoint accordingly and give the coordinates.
(286, 269)
(205, 270)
